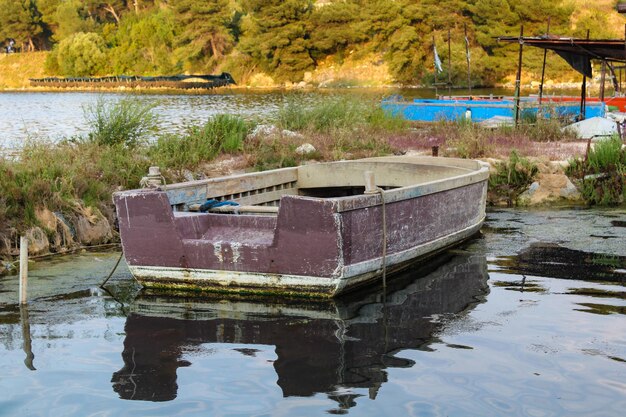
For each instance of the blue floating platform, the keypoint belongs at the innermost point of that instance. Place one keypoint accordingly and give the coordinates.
(432, 110)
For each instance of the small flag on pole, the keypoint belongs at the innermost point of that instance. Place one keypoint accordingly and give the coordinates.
(437, 60)
(467, 49)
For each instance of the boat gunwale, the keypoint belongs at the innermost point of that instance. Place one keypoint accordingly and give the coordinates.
(477, 171)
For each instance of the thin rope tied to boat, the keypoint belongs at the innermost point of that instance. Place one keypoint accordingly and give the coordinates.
(384, 243)
(112, 271)
(371, 188)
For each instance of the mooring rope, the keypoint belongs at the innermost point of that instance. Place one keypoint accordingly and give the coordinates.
(384, 243)
(113, 270)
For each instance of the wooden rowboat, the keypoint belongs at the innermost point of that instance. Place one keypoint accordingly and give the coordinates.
(314, 230)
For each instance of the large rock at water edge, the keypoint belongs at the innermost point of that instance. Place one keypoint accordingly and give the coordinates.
(550, 188)
(94, 230)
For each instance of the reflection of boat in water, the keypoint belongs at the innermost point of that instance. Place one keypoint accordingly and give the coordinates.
(322, 346)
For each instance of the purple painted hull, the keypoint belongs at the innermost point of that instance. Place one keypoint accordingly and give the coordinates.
(312, 245)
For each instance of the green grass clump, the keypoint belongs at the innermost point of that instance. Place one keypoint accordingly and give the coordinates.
(128, 121)
(58, 176)
(545, 130)
(200, 143)
(602, 175)
(272, 153)
(336, 113)
(468, 140)
(512, 177)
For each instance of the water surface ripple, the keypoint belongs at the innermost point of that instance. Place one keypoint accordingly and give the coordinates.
(528, 319)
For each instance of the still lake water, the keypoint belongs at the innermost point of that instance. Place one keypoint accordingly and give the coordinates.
(527, 319)
(57, 115)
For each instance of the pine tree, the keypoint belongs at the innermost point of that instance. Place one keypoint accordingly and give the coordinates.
(275, 35)
(20, 20)
(204, 28)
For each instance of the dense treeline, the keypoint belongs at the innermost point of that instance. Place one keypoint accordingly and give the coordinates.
(287, 38)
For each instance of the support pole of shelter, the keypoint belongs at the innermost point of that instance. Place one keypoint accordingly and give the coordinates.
(449, 66)
(583, 93)
(620, 71)
(602, 80)
(23, 269)
(436, 92)
(518, 78)
(467, 57)
(543, 67)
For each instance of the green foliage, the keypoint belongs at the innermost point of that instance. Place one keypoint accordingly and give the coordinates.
(603, 174)
(336, 113)
(144, 44)
(20, 20)
(68, 18)
(127, 122)
(285, 39)
(81, 54)
(274, 34)
(206, 29)
(332, 28)
(272, 153)
(544, 129)
(57, 176)
(512, 177)
(468, 139)
(222, 133)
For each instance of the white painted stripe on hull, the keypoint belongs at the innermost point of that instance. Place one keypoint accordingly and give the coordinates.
(234, 279)
(351, 275)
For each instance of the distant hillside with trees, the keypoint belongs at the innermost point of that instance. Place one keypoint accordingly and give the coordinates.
(286, 39)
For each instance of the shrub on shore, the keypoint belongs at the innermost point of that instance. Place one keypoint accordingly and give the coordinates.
(336, 114)
(512, 177)
(128, 121)
(602, 175)
(222, 133)
(57, 176)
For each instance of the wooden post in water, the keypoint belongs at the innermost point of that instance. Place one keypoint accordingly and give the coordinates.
(23, 269)
(543, 68)
(27, 337)
(518, 78)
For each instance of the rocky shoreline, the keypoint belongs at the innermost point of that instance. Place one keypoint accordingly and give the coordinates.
(59, 234)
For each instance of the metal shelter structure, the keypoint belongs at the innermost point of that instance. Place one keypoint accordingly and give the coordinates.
(578, 53)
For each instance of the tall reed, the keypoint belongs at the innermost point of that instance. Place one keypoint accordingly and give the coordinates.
(128, 121)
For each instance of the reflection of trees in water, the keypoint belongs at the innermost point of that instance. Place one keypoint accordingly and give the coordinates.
(342, 344)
